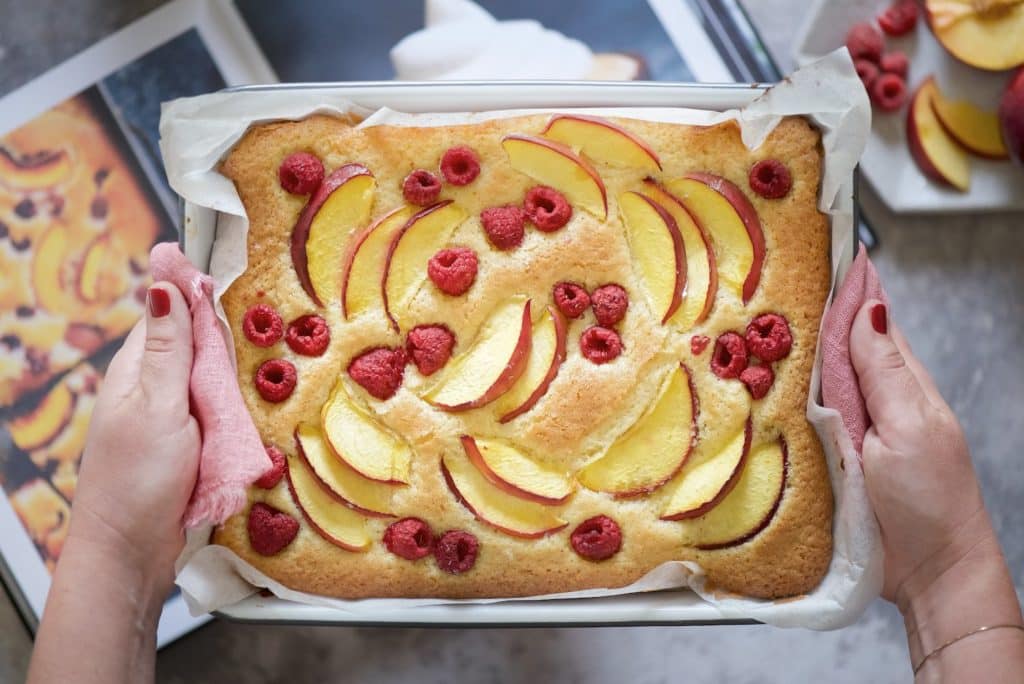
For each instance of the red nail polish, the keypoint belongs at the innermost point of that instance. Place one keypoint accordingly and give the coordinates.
(159, 302)
(879, 319)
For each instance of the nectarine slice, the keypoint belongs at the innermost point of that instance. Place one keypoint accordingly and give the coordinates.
(547, 352)
(364, 266)
(974, 128)
(704, 482)
(36, 173)
(657, 250)
(937, 155)
(361, 441)
(47, 268)
(361, 494)
(552, 163)
(326, 514)
(42, 425)
(516, 473)
(602, 141)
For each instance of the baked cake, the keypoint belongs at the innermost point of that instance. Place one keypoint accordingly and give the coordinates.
(530, 355)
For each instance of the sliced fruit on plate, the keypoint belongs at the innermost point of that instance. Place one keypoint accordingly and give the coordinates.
(704, 482)
(552, 163)
(327, 515)
(602, 141)
(340, 205)
(491, 364)
(937, 154)
(362, 442)
(654, 449)
(364, 265)
(405, 267)
(701, 272)
(733, 225)
(38, 171)
(492, 506)
(748, 508)
(547, 352)
(656, 247)
(511, 470)
(42, 425)
(986, 34)
(974, 128)
(363, 495)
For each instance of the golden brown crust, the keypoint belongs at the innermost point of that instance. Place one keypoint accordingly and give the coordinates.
(587, 406)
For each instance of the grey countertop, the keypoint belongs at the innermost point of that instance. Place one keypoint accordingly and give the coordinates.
(955, 283)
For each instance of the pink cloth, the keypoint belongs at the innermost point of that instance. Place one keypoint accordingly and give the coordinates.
(233, 456)
(839, 387)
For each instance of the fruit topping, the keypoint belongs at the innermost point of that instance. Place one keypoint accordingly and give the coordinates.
(460, 165)
(301, 173)
(895, 63)
(308, 335)
(430, 347)
(698, 343)
(867, 71)
(275, 380)
(888, 92)
(409, 538)
(379, 371)
(453, 270)
(730, 356)
(600, 345)
(421, 188)
(610, 303)
(270, 478)
(456, 551)
(270, 530)
(571, 299)
(769, 338)
(900, 18)
(597, 538)
(547, 208)
(864, 42)
(770, 179)
(758, 380)
(504, 226)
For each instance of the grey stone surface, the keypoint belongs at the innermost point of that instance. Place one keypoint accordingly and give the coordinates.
(956, 284)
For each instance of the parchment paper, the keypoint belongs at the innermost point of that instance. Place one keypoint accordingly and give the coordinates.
(197, 132)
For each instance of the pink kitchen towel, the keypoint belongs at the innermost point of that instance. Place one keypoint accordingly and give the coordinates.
(233, 456)
(839, 387)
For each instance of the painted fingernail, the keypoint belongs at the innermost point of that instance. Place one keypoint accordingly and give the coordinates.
(879, 319)
(160, 302)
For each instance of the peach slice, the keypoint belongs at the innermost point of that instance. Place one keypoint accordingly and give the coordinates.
(731, 221)
(405, 267)
(492, 364)
(362, 495)
(341, 204)
(513, 471)
(326, 514)
(361, 275)
(48, 266)
(103, 273)
(42, 425)
(986, 34)
(701, 272)
(655, 448)
(552, 163)
(492, 506)
(748, 508)
(657, 250)
(362, 442)
(37, 172)
(547, 352)
(703, 483)
(972, 127)
(937, 154)
(602, 141)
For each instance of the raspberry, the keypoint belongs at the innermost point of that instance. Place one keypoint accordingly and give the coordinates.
(770, 179)
(379, 371)
(895, 63)
(547, 208)
(460, 165)
(864, 42)
(504, 226)
(275, 380)
(730, 356)
(270, 478)
(900, 18)
(600, 345)
(610, 303)
(571, 299)
(698, 343)
(758, 380)
(453, 270)
(270, 530)
(421, 188)
(456, 551)
(301, 173)
(430, 347)
(308, 335)
(867, 71)
(889, 92)
(409, 538)
(262, 325)
(768, 337)
(597, 538)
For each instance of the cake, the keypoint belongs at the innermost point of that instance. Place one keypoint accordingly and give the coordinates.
(529, 355)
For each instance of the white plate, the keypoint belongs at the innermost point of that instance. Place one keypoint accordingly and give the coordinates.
(887, 164)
